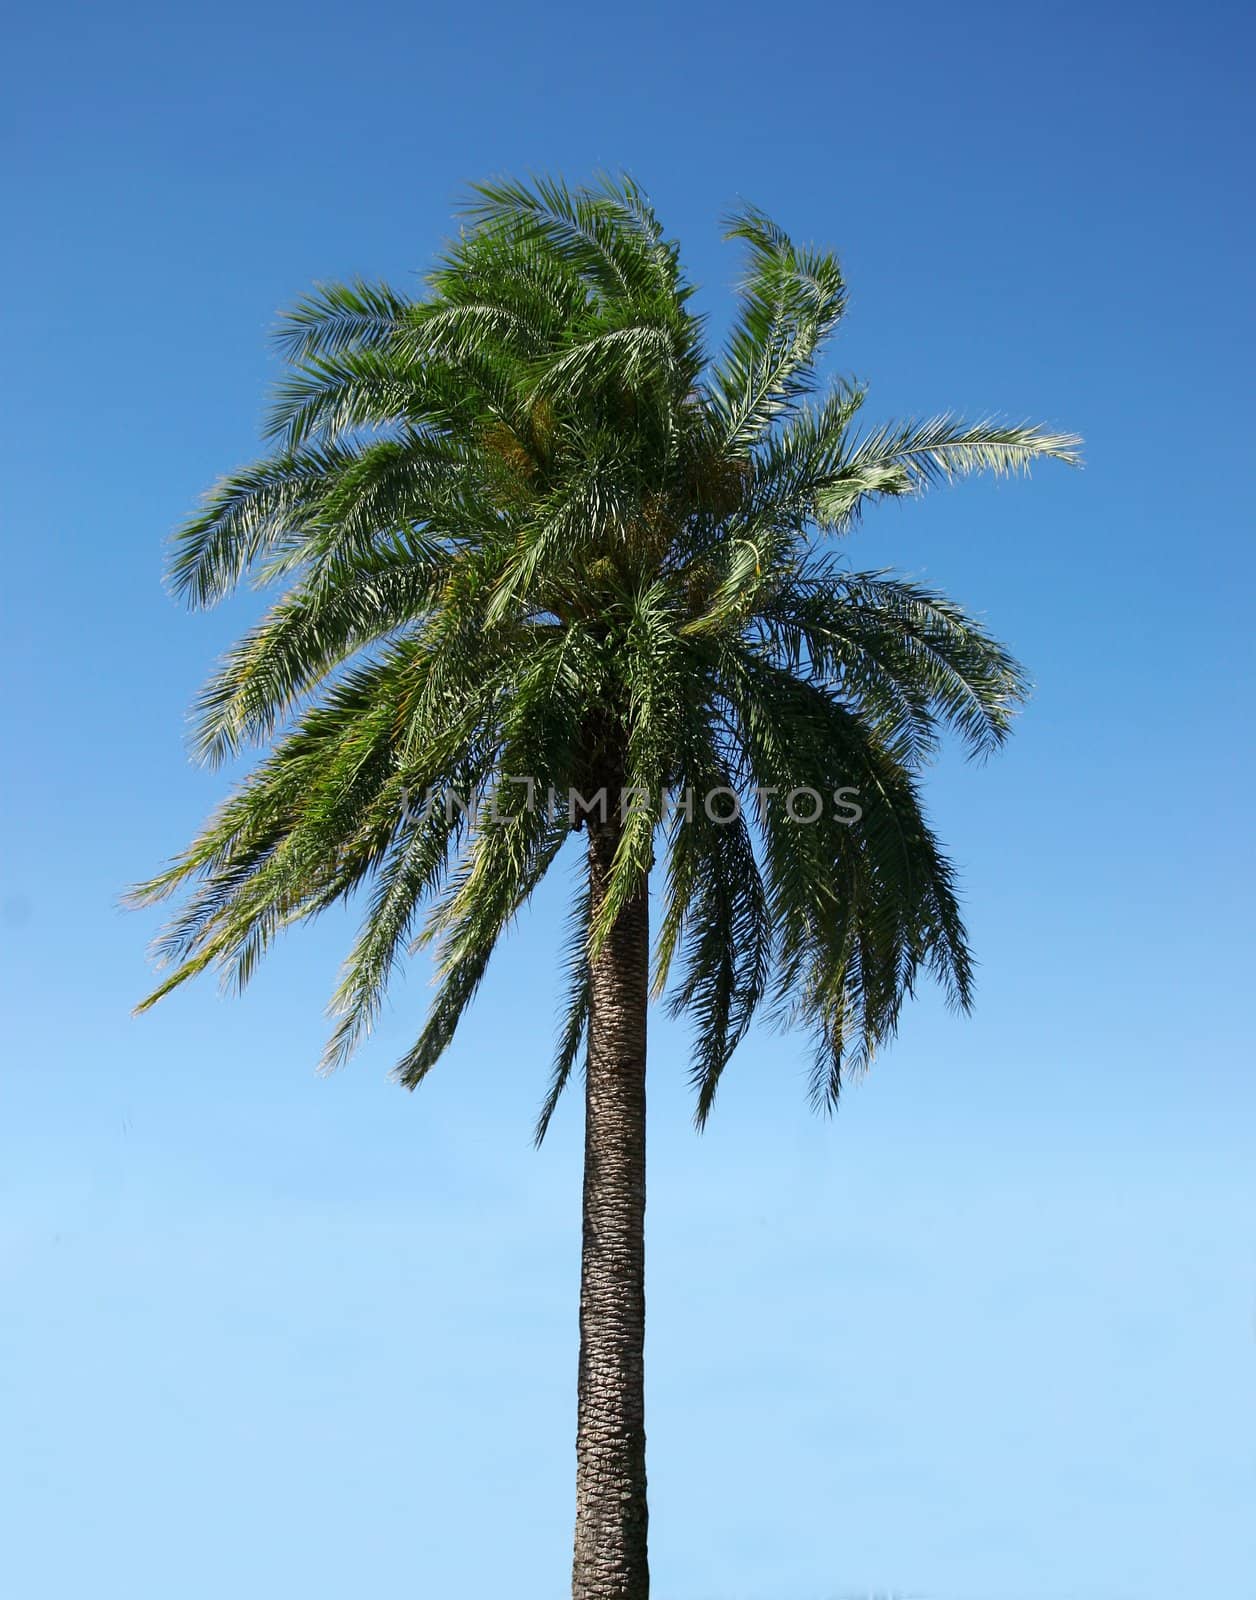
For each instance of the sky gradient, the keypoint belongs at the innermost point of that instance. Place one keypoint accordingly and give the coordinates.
(987, 1334)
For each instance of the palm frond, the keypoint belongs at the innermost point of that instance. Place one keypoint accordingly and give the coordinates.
(906, 458)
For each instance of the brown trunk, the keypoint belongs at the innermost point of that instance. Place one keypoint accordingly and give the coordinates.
(610, 1557)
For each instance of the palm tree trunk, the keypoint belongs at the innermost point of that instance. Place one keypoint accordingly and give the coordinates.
(610, 1555)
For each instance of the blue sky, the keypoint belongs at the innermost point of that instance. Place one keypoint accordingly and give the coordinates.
(991, 1331)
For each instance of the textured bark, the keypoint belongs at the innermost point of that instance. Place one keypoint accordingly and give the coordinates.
(610, 1554)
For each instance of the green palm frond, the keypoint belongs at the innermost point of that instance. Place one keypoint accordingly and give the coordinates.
(340, 316)
(791, 300)
(906, 458)
(574, 1032)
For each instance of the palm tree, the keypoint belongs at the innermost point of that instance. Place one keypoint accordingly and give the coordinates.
(540, 551)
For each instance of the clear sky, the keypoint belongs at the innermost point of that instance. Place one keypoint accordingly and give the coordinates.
(990, 1333)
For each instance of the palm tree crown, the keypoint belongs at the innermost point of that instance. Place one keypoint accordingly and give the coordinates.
(529, 529)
